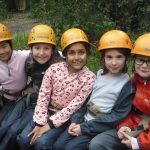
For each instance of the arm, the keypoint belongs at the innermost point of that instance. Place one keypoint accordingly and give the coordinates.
(119, 112)
(78, 116)
(143, 139)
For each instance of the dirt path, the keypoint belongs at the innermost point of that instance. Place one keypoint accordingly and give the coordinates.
(20, 22)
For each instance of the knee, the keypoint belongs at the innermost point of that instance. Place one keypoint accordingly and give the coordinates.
(58, 145)
(95, 145)
(41, 144)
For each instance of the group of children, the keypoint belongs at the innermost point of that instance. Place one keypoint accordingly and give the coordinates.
(52, 103)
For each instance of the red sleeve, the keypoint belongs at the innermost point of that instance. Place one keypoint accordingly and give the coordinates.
(144, 139)
(131, 121)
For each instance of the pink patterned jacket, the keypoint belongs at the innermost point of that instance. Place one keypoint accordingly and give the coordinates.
(63, 93)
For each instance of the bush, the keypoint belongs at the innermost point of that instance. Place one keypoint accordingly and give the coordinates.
(3, 10)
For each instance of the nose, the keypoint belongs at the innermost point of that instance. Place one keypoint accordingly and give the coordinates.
(76, 56)
(114, 61)
(41, 52)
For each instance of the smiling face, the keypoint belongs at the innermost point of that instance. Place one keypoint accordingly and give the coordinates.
(5, 51)
(114, 61)
(142, 66)
(42, 52)
(76, 57)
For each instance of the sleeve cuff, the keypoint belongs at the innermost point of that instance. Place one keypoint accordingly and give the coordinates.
(50, 123)
(39, 125)
(134, 144)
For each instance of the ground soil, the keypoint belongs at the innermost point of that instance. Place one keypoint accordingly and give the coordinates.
(20, 22)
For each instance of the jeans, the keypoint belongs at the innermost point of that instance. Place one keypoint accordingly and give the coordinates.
(107, 140)
(45, 142)
(68, 142)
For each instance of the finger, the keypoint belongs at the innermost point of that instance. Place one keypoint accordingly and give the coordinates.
(32, 132)
(33, 139)
(126, 135)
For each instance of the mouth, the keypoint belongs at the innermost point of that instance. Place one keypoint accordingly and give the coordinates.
(144, 71)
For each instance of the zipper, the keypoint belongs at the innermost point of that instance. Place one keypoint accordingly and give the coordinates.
(145, 82)
(9, 73)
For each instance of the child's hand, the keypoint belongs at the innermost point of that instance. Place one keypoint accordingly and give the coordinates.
(127, 140)
(37, 132)
(121, 130)
(77, 130)
(70, 129)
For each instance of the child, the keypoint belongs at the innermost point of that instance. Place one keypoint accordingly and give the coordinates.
(12, 75)
(64, 89)
(42, 43)
(110, 100)
(134, 131)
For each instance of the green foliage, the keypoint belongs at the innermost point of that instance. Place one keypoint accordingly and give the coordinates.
(84, 14)
(20, 41)
(94, 17)
(94, 61)
(3, 10)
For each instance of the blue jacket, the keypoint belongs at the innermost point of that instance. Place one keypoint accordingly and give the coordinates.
(107, 121)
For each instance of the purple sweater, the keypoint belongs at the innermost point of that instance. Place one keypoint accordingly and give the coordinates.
(12, 74)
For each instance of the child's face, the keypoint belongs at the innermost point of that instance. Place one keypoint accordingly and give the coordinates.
(42, 52)
(5, 51)
(76, 57)
(142, 66)
(114, 61)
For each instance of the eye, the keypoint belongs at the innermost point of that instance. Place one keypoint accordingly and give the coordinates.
(36, 47)
(82, 52)
(4, 46)
(71, 52)
(148, 62)
(140, 60)
(108, 57)
(120, 56)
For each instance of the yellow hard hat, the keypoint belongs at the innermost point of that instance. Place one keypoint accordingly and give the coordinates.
(71, 36)
(114, 39)
(142, 45)
(5, 33)
(42, 34)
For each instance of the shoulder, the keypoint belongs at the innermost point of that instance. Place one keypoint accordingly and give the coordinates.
(90, 73)
(128, 87)
(23, 53)
(56, 67)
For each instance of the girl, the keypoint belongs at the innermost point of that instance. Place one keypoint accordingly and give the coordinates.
(134, 131)
(42, 43)
(12, 75)
(110, 100)
(64, 89)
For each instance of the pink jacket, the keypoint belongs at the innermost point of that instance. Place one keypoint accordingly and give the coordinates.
(63, 93)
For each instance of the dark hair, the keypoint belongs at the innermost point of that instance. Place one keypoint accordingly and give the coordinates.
(124, 51)
(86, 45)
(31, 45)
(10, 44)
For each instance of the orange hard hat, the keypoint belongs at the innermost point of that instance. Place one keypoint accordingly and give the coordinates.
(142, 45)
(5, 33)
(114, 39)
(42, 34)
(71, 36)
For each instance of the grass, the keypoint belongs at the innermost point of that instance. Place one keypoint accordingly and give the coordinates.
(20, 41)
